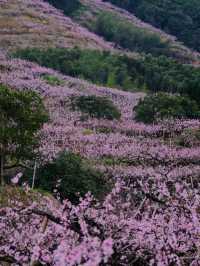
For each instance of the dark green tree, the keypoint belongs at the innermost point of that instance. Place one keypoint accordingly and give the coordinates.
(96, 106)
(162, 105)
(120, 31)
(69, 176)
(22, 114)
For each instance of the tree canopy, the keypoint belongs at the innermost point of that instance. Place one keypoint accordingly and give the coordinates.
(156, 107)
(22, 114)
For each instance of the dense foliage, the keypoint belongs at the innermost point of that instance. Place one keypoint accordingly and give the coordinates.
(165, 106)
(163, 74)
(153, 73)
(97, 107)
(22, 114)
(69, 177)
(98, 67)
(124, 30)
(66, 5)
(120, 31)
(180, 18)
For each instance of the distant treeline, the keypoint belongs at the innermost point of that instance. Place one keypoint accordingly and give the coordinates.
(180, 18)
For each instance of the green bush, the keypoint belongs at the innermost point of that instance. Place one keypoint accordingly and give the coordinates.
(163, 74)
(162, 105)
(97, 107)
(70, 177)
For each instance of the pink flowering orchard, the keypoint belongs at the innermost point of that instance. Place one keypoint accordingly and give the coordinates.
(150, 215)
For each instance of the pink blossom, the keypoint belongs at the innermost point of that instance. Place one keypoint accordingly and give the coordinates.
(15, 179)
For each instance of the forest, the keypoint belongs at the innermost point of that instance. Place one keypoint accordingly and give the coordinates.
(179, 18)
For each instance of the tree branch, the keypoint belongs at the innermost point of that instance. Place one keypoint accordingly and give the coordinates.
(8, 259)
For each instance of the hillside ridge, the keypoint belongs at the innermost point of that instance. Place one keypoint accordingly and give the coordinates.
(27, 23)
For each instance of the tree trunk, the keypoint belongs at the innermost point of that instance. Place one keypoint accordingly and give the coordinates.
(2, 170)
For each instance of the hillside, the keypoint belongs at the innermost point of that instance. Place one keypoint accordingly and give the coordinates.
(41, 25)
(38, 24)
(99, 139)
(180, 18)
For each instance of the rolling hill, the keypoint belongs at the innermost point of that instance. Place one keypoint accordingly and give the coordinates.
(90, 10)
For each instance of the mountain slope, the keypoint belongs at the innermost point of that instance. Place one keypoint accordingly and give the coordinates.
(88, 14)
(27, 23)
(38, 24)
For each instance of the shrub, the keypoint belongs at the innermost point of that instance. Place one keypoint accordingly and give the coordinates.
(162, 105)
(87, 132)
(99, 67)
(69, 175)
(104, 130)
(97, 107)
